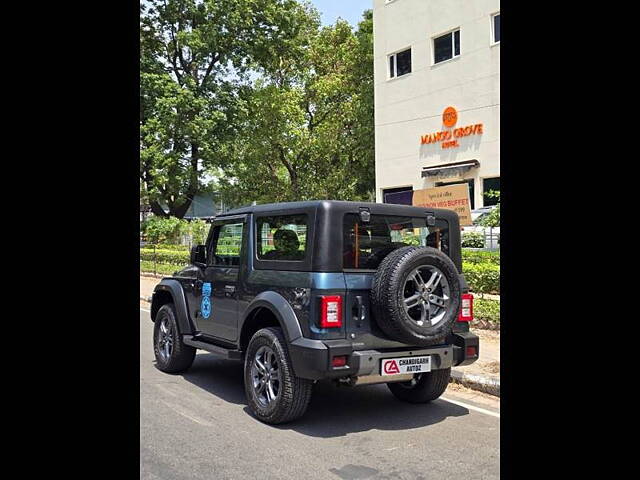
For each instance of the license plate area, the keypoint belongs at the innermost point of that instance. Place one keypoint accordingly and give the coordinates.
(403, 365)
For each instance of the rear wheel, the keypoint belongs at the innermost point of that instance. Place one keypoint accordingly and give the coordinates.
(172, 355)
(274, 393)
(424, 387)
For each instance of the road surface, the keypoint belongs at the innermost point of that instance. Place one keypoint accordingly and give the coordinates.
(197, 426)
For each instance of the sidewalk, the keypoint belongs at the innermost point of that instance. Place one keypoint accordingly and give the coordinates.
(483, 375)
(147, 284)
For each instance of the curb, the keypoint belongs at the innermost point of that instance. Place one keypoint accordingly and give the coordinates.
(476, 382)
(152, 275)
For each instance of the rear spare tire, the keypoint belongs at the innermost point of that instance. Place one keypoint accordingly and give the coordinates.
(415, 296)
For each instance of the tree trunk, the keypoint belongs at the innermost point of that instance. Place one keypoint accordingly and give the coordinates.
(180, 211)
(157, 209)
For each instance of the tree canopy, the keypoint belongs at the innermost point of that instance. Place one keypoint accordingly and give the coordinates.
(256, 94)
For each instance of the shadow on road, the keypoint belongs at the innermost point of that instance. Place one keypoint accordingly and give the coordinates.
(334, 411)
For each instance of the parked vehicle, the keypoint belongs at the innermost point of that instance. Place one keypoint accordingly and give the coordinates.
(357, 293)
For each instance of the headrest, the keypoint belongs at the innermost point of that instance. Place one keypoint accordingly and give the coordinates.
(286, 240)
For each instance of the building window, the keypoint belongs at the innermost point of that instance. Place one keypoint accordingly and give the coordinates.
(446, 46)
(400, 63)
(489, 185)
(399, 196)
(495, 27)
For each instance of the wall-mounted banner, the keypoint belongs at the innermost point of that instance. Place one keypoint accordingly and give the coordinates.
(450, 197)
(449, 138)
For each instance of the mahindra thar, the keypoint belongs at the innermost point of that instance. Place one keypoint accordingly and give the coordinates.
(357, 293)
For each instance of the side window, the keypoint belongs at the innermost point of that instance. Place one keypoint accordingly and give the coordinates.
(282, 238)
(227, 248)
(400, 63)
(446, 46)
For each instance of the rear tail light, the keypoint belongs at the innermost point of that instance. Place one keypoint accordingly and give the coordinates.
(472, 352)
(339, 361)
(330, 311)
(466, 310)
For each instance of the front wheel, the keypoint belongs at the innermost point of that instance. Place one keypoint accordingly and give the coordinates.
(172, 355)
(275, 395)
(423, 388)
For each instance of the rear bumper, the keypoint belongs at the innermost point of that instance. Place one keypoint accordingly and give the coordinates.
(311, 359)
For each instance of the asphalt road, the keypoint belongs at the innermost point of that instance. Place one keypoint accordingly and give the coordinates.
(197, 426)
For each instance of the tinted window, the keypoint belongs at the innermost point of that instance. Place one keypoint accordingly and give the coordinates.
(282, 237)
(496, 28)
(228, 245)
(366, 244)
(490, 185)
(456, 42)
(404, 62)
(446, 46)
(400, 63)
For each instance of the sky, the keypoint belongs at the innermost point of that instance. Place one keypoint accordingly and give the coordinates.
(349, 10)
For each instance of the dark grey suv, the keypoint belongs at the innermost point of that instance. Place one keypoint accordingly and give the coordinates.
(357, 293)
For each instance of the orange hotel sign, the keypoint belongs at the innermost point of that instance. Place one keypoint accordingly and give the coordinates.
(448, 137)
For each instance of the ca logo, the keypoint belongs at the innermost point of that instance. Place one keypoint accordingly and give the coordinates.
(391, 367)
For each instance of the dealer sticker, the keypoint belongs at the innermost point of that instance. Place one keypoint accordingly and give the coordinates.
(398, 366)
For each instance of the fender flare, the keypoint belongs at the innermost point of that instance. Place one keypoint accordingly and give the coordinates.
(177, 293)
(280, 307)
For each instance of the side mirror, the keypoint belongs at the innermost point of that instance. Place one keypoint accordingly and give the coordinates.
(198, 255)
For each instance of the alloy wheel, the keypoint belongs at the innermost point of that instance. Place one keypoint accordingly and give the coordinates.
(265, 376)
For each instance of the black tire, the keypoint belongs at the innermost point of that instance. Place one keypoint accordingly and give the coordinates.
(181, 356)
(387, 295)
(425, 388)
(293, 395)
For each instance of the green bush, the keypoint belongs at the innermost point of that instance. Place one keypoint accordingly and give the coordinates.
(160, 230)
(171, 257)
(472, 240)
(161, 268)
(481, 256)
(487, 310)
(168, 246)
(482, 277)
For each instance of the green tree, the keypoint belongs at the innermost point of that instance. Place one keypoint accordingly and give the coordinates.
(195, 56)
(492, 219)
(308, 132)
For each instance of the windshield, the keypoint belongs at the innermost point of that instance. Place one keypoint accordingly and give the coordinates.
(366, 244)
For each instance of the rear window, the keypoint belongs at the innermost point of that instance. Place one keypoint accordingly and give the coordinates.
(282, 237)
(366, 244)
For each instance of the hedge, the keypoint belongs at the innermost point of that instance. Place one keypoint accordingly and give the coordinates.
(481, 256)
(482, 277)
(167, 246)
(161, 268)
(171, 257)
(486, 310)
(473, 240)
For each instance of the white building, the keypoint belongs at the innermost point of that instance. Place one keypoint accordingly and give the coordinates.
(431, 55)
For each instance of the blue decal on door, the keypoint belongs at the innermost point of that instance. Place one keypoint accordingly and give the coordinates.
(205, 306)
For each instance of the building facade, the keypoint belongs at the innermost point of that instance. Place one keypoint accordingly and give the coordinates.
(437, 97)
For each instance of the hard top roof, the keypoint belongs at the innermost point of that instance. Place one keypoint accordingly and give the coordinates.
(338, 206)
